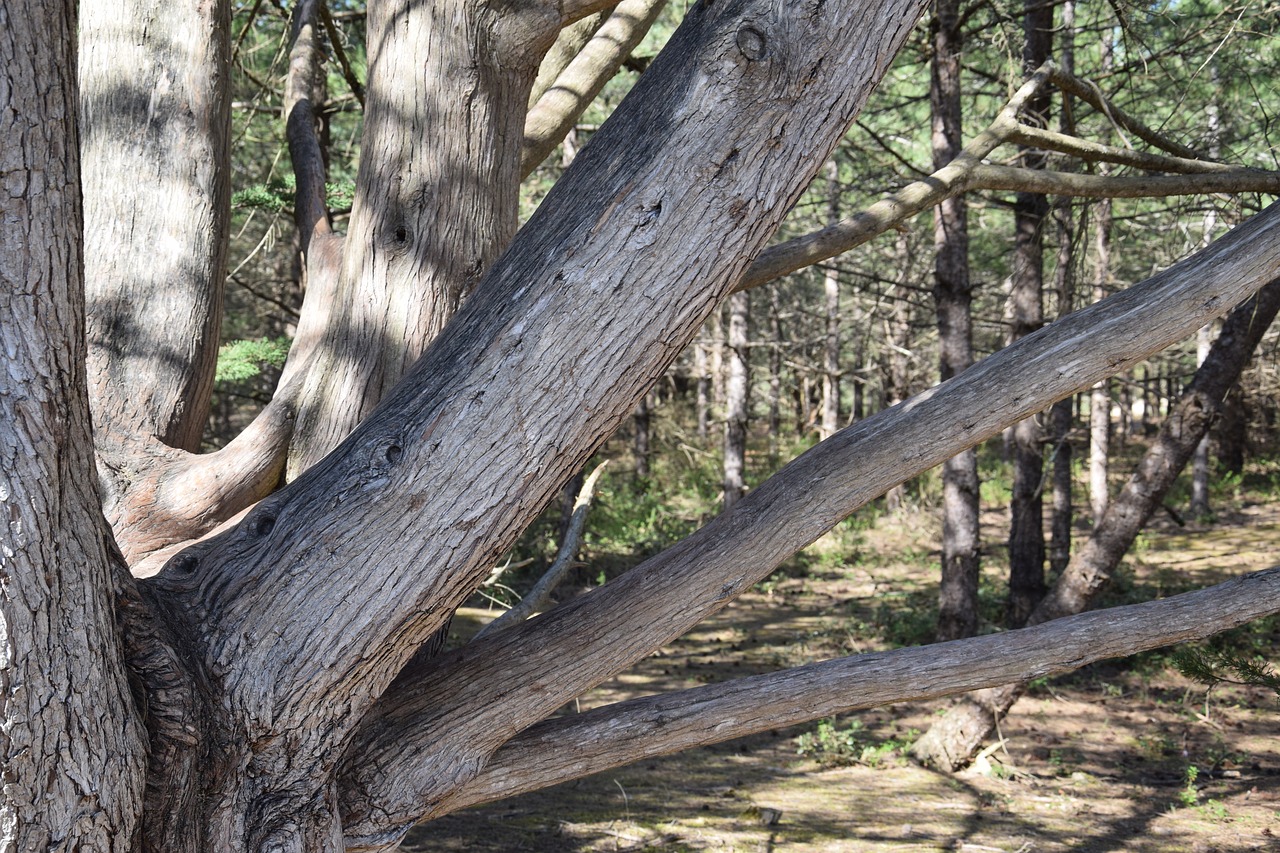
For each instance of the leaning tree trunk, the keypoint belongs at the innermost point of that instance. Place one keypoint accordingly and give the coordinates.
(74, 765)
(953, 740)
(958, 595)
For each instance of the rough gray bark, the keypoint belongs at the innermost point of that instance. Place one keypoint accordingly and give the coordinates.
(958, 593)
(646, 233)
(72, 743)
(953, 740)
(422, 232)
(157, 203)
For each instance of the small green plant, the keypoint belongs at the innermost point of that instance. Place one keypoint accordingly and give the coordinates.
(832, 746)
(241, 360)
(1189, 795)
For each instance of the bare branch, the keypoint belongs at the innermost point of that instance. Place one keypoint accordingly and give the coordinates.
(1014, 178)
(571, 747)
(576, 10)
(574, 90)
(1093, 152)
(303, 93)
(912, 199)
(540, 595)
(335, 41)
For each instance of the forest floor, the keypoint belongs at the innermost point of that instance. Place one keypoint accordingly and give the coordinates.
(1125, 755)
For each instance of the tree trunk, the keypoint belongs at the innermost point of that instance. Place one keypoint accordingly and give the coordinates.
(157, 207)
(640, 445)
(953, 740)
(1200, 460)
(703, 371)
(422, 232)
(775, 372)
(958, 595)
(73, 741)
(737, 399)
(1100, 395)
(1026, 300)
(831, 340)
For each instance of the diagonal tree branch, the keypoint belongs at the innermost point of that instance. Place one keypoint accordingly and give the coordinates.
(952, 740)
(444, 722)
(578, 85)
(566, 748)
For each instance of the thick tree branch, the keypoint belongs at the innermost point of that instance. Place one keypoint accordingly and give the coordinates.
(439, 728)
(576, 10)
(578, 85)
(566, 748)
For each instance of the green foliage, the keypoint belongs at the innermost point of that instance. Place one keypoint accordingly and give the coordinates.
(832, 746)
(276, 195)
(241, 360)
(1214, 666)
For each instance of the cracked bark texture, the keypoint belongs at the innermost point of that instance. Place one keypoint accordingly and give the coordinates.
(71, 740)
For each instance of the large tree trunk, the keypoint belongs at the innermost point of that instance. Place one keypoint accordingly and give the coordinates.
(958, 594)
(71, 739)
(423, 231)
(953, 740)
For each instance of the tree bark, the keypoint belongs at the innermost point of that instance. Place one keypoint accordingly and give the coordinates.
(437, 726)
(958, 594)
(645, 234)
(1026, 300)
(156, 209)
(71, 738)
(831, 339)
(422, 231)
(953, 740)
(737, 391)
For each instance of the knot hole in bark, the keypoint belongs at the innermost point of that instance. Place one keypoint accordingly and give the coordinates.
(263, 524)
(184, 563)
(751, 43)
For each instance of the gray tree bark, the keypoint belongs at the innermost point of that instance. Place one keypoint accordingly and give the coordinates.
(72, 741)
(958, 593)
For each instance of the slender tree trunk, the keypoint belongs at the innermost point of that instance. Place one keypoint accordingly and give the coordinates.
(775, 371)
(72, 740)
(1200, 460)
(952, 741)
(958, 596)
(898, 332)
(1026, 510)
(831, 341)
(1100, 395)
(1062, 415)
(737, 399)
(703, 400)
(640, 445)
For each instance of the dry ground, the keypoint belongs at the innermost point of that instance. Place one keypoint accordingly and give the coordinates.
(1097, 761)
